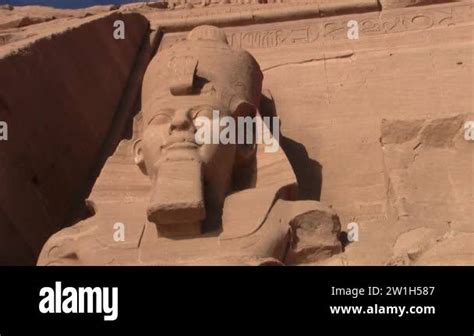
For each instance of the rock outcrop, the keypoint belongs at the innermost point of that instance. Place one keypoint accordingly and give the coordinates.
(60, 91)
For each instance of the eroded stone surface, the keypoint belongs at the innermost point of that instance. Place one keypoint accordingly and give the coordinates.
(315, 237)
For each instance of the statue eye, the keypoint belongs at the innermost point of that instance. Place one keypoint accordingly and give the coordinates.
(161, 118)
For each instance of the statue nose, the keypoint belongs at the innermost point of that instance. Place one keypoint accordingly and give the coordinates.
(181, 121)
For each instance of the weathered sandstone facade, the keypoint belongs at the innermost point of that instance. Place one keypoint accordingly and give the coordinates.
(372, 129)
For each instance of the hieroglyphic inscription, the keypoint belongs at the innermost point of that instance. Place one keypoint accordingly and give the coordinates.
(274, 38)
(336, 28)
(204, 3)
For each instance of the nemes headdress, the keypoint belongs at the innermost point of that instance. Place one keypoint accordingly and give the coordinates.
(202, 64)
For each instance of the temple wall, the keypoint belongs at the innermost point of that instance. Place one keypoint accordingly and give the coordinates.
(59, 93)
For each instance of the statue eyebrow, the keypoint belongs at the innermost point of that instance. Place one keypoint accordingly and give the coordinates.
(160, 112)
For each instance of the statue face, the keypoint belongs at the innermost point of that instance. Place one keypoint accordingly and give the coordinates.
(182, 86)
(169, 136)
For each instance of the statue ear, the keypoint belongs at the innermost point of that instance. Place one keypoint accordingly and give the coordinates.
(138, 155)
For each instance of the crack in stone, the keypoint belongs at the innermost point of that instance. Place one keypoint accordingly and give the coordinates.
(311, 60)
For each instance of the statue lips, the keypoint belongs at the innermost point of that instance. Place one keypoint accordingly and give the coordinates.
(180, 140)
(181, 151)
(182, 145)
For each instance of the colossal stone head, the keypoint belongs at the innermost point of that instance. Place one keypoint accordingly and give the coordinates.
(193, 78)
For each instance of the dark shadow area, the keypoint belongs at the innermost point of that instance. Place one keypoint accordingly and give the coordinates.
(308, 171)
(344, 239)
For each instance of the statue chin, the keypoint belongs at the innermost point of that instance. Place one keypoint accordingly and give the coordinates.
(177, 205)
